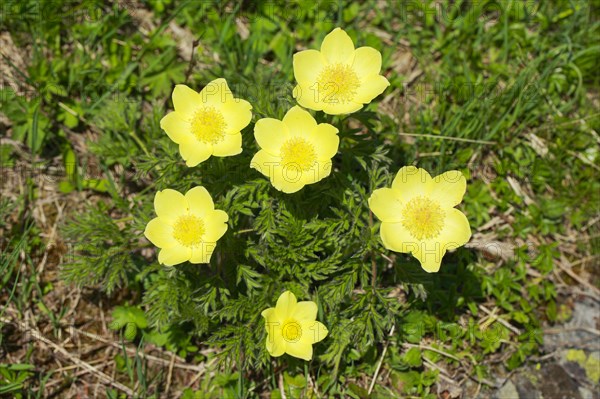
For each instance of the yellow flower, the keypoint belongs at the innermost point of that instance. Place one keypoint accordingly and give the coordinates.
(418, 214)
(292, 327)
(294, 151)
(187, 227)
(338, 79)
(207, 123)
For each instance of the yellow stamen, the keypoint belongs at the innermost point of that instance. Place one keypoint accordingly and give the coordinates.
(423, 218)
(298, 152)
(208, 125)
(337, 83)
(291, 330)
(188, 230)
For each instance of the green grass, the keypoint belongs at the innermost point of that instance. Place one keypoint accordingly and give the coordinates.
(505, 93)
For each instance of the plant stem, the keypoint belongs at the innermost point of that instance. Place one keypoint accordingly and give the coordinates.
(373, 262)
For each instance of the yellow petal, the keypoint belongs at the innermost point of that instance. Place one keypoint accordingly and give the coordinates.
(316, 330)
(174, 256)
(186, 101)
(215, 223)
(270, 134)
(199, 201)
(216, 93)
(318, 172)
(430, 255)
(170, 204)
(340, 108)
(299, 122)
(411, 181)
(385, 203)
(338, 47)
(397, 238)
(195, 152)
(237, 114)
(449, 188)
(290, 179)
(456, 231)
(160, 233)
(268, 314)
(367, 62)
(203, 252)
(326, 140)
(305, 310)
(265, 163)
(307, 66)
(301, 349)
(231, 145)
(276, 345)
(307, 97)
(177, 128)
(286, 303)
(371, 88)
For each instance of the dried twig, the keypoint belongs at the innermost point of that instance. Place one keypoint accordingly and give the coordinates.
(432, 349)
(74, 359)
(500, 320)
(387, 342)
(562, 265)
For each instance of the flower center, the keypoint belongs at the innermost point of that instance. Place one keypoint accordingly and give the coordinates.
(423, 218)
(188, 230)
(299, 152)
(291, 331)
(208, 125)
(337, 83)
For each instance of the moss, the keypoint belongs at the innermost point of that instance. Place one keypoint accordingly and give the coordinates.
(590, 364)
(576, 355)
(592, 368)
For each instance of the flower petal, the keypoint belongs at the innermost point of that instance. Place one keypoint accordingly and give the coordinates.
(268, 315)
(276, 345)
(305, 310)
(202, 253)
(367, 62)
(318, 172)
(307, 97)
(237, 114)
(231, 145)
(370, 88)
(326, 140)
(216, 93)
(265, 163)
(449, 188)
(301, 349)
(397, 238)
(315, 329)
(308, 64)
(291, 179)
(411, 181)
(195, 152)
(270, 134)
(199, 201)
(340, 108)
(430, 255)
(174, 256)
(186, 101)
(456, 231)
(299, 122)
(286, 303)
(176, 127)
(160, 233)
(338, 47)
(385, 203)
(170, 204)
(215, 223)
